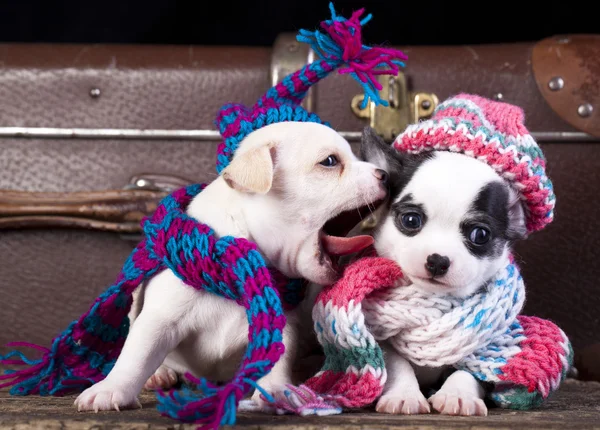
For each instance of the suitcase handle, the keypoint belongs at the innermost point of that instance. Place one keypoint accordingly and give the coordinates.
(117, 211)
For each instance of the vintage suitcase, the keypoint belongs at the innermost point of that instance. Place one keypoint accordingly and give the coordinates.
(91, 137)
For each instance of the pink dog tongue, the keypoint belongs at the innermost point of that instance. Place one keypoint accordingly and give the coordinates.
(345, 245)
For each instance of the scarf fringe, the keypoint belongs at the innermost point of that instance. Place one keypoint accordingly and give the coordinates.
(329, 393)
(302, 400)
(24, 381)
(46, 376)
(207, 405)
(353, 374)
(85, 353)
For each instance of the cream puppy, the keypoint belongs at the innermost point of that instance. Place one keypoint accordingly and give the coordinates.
(286, 181)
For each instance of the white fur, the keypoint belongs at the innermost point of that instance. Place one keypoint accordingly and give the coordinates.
(188, 330)
(446, 185)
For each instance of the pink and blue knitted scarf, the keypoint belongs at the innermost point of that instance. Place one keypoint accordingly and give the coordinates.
(230, 267)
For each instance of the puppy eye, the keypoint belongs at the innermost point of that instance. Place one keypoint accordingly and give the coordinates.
(412, 221)
(480, 236)
(330, 161)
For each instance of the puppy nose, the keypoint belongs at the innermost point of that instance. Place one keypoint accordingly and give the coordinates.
(382, 175)
(437, 265)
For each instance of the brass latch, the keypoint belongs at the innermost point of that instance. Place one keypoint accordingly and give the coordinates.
(389, 121)
(404, 107)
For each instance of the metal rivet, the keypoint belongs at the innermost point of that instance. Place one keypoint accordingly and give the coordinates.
(293, 47)
(498, 96)
(585, 110)
(426, 104)
(556, 83)
(95, 93)
(142, 183)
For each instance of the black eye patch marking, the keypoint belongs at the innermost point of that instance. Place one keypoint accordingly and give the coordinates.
(489, 211)
(408, 198)
(409, 216)
(404, 169)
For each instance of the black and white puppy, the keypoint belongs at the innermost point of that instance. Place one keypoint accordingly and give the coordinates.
(449, 223)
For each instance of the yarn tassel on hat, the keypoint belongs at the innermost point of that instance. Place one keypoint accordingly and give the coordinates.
(339, 46)
(342, 44)
(230, 267)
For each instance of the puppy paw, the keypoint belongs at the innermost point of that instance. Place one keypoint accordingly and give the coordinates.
(248, 405)
(258, 404)
(452, 404)
(408, 403)
(106, 396)
(163, 378)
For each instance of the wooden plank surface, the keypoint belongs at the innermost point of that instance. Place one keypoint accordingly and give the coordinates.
(575, 406)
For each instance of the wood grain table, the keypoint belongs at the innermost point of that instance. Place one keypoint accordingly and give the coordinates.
(575, 406)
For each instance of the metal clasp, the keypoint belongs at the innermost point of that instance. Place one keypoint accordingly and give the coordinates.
(163, 184)
(404, 107)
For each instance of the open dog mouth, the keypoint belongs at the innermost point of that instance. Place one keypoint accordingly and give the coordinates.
(333, 240)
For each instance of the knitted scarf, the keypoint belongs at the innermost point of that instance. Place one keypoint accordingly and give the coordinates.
(229, 267)
(523, 358)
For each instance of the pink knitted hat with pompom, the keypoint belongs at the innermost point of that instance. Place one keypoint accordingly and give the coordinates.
(493, 132)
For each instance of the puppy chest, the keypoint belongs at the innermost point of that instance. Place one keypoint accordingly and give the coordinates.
(215, 349)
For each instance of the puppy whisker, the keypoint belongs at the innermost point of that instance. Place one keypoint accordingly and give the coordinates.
(368, 204)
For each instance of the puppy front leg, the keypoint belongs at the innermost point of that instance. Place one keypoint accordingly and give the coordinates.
(461, 394)
(148, 343)
(156, 331)
(401, 394)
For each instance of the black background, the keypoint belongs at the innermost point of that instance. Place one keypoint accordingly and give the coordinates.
(258, 22)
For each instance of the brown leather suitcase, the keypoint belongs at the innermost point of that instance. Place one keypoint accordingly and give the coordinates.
(91, 137)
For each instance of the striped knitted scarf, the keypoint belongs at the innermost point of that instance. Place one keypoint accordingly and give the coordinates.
(523, 358)
(87, 350)
(229, 267)
(232, 268)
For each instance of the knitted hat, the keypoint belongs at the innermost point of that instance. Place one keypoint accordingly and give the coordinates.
(494, 133)
(85, 352)
(339, 44)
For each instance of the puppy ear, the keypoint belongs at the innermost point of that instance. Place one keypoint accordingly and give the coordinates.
(251, 171)
(375, 150)
(517, 229)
